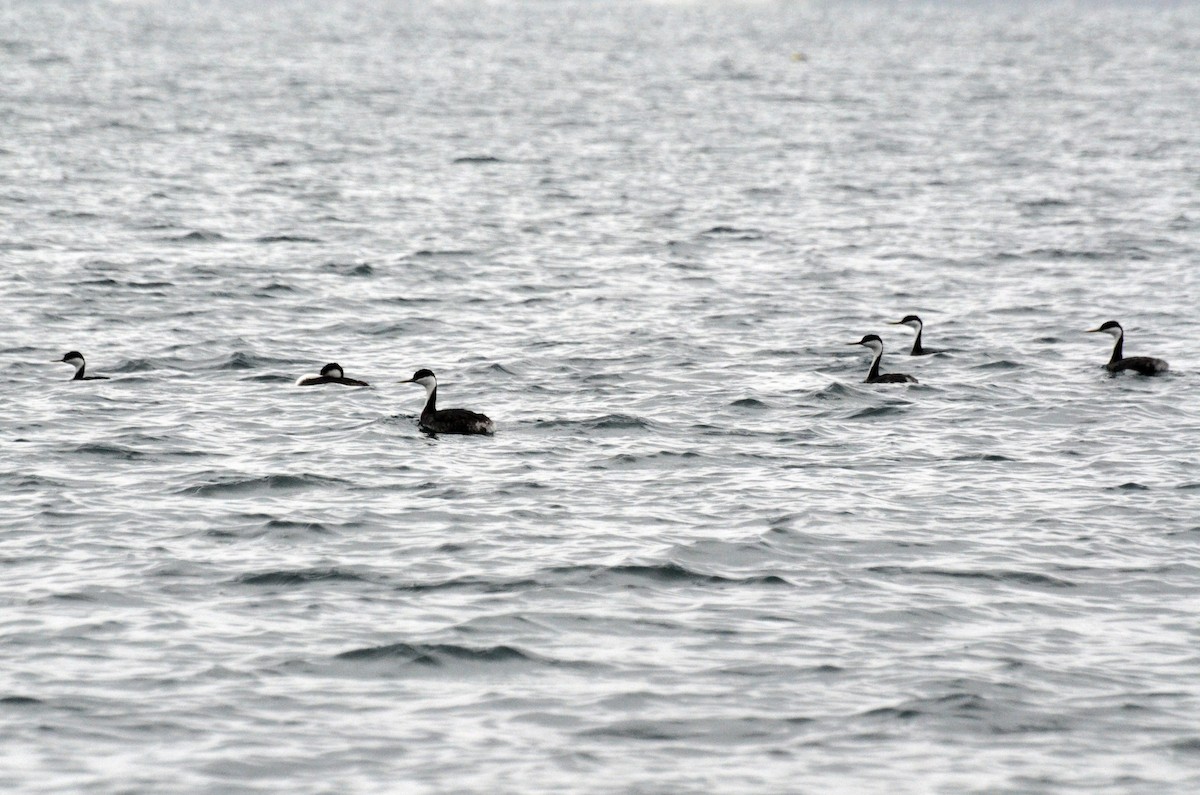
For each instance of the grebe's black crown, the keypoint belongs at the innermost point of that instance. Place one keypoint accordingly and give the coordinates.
(910, 319)
(423, 373)
(1110, 324)
(71, 355)
(868, 338)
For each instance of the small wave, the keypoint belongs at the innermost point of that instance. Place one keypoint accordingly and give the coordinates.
(1131, 486)
(605, 422)
(299, 577)
(476, 159)
(286, 239)
(1189, 745)
(20, 701)
(16, 482)
(77, 215)
(733, 232)
(1019, 577)
(239, 360)
(987, 457)
(428, 253)
(197, 237)
(350, 269)
(437, 654)
(229, 486)
(834, 391)
(110, 451)
(1066, 254)
(655, 459)
(135, 366)
(275, 287)
(876, 411)
(668, 573)
(1000, 364)
(1042, 203)
(661, 730)
(951, 704)
(749, 403)
(285, 525)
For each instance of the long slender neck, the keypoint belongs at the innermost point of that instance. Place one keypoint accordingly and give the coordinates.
(431, 402)
(917, 350)
(1118, 349)
(875, 366)
(79, 372)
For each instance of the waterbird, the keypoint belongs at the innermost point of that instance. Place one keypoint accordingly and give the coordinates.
(1145, 365)
(873, 342)
(446, 420)
(914, 323)
(330, 374)
(75, 358)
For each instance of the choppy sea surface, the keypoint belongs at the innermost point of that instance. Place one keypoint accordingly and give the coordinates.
(699, 555)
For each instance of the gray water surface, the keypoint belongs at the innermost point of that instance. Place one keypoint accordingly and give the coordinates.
(699, 555)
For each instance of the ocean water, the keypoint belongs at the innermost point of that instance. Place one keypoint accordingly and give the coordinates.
(699, 555)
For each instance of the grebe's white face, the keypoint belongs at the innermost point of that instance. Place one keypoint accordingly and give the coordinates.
(875, 345)
(915, 325)
(76, 362)
(429, 382)
(1113, 331)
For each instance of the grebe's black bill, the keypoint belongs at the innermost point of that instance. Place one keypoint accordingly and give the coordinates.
(330, 374)
(75, 359)
(914, 323)
(1119, 363)
(873, 343)
(435, 421)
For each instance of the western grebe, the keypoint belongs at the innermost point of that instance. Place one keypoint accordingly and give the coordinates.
(1146, 365)
(873, 342)
(434, 420)
(330, 374)
(914, 323)
(75, 358)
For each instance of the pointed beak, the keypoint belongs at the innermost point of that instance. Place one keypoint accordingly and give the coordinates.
(854, 343)
(896, 323)
(405, 381)
(1092, 330)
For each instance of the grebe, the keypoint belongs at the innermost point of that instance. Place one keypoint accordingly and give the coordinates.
(1146, 365)
(446, 420)
(330, 374)
(873, 342)
(76, 358)
(914, 323)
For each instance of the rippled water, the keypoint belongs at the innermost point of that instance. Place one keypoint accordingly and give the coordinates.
(699, 555)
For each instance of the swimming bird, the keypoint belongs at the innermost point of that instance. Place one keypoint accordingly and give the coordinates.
(446, 420)
(914, 323)
(330, 374)
(873, 342)
(1145, 365)
(76, 358)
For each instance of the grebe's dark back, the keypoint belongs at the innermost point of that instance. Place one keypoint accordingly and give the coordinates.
(330, 374)
(434, 420)
(875, 344)
(1145, 365)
